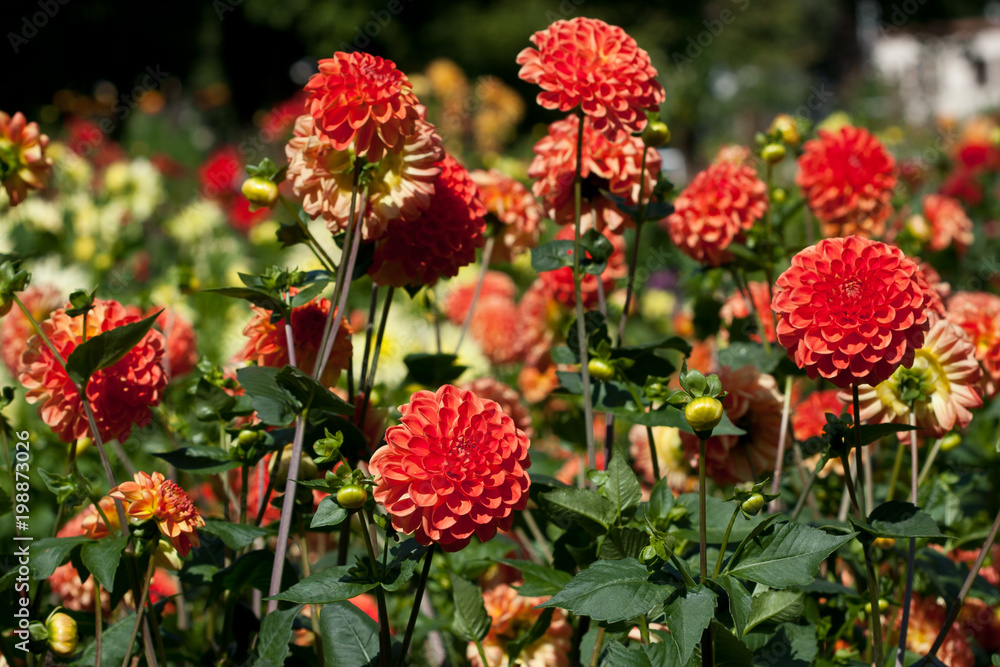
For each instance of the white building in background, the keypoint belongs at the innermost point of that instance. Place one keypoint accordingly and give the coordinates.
(950, 69)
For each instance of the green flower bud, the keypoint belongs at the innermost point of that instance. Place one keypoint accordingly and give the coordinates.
(753, 504)
(773, 153)
(703, 414)
(63, 636)
(656, 134)
(260, 192)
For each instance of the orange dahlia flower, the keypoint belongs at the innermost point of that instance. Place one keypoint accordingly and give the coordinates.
(847, 177)
(754, 404)
(808, 418)
(850, 310)
(166, 503)
(400, 185)
(16, 330)
(437, 243)
(120, 396)
(735, 308)
(540, 320)
(454, 466)
(23, 164)
(457, 302)
(506, 397)
(268, 344)
(560, 281)
(598, 67)
(978, 313)
(946, 374)
(513, 207)
(362, 99)
(609, 165)
(949, 224)
(721, 203)
(512, 616)
(926, 619)
(670, 457)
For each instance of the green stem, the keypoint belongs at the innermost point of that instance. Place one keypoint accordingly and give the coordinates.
(598, 645)
(874, 619)
(912, 551)
(385, 641)
(702, 518)
(643, 629)
(245, 478)
(653, 455)
(929, 462)
(769, 256)
(782, 436)
(725, 542)
(314, 608)
(482, 653)
(139, 609)
(311, 241)
(801, 502)
(897, 466)
(415, 610)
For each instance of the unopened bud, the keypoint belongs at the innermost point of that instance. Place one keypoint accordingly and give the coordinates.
(63, 636)
(703, 414)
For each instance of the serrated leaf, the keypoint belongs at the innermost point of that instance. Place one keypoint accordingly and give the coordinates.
(471, 621)
(872, 432)
(258, 297)
(623, 543)
(740, 602)
(311, 394)
(687, 618)
(622, 487)
(200, 459)
(329, 513)
(403, 561)
(274, 404)
(275, 633)
(611, 590)
(350, 636)
(234, 535)
(49, 553)
(307, 294)
(899, 519)
(785, 554)
(330, 585)
(539, 580)
(729, 650)
(114, 644)
(106, 349)
(775, 606)
(593, 511)
(102, 558)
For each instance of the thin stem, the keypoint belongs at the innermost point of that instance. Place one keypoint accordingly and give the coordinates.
(725, 542)
(487, 254)
(415, 610)
(482, 653)
(245, 475)
(702, 519)
(769, 259)
(314, 608)
(139, 609)
(598, 645)
(653, 454)
(581, 328)
(311, 241)
(98, 622)
(529, 519)
(744, 288)
(265, 498)
(897, 466)
(782, 435)
(800, 503)
(375, 357)
(630, 281)
(874, 619)
(287, 509)
(912, 552)
(929, 462)
(956, 606)
(385, 642)
(643, 629)
(369, 330)
(341, 305)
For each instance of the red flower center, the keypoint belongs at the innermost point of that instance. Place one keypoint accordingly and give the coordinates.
(852, 288)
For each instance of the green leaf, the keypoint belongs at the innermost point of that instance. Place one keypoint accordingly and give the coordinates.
(471, 622)
(329, 513)
(729, 650)
(534, 633)
(740, 602)
(661, 501)
(795, 643)
(251, 570)
(311, 394)
(274, 405)
(403, 561)
(307, 294)
(539, 580)
(66, 488)
(738, 355)
(331, 585)
(775, 607)
(49, 553)
(555, 255)
(106, 349)
(622, 487)
(669, 415)
(350, 636)
(623, 543)
(719, 513)
(256, 296)
(432, 370)
(102, 558)
(234, 535)
(872, 432)
(114, 644)
(785, 554)
(593, 511)
(275, 633)
(611, 590)
(899, 519)
(199, 458)
(687, 618)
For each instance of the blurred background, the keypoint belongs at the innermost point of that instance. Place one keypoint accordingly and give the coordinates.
(213, 69)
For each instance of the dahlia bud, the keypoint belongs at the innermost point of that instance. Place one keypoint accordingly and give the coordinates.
(883, 606)
(703, 414)
(773, 153)
(918, 226)
(884, 543)
(785, 127)
(753, 504)
(600, 370)
(352, 496)
(63, 637)
(656, 134)
(779, 195)
(950, 441)
(12, 281)
(261, 192)
(307, 467)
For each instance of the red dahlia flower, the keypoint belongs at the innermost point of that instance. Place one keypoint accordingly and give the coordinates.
(721, 203)
(847, 177)
(514, 208)
(121, 395)
(851, 310)
(496, 284)
(560, 282)
(438, 243)
(589, 64)
(808, 418)
(268, 344)
(362, 99)
(161, 499)
(613, 165)
(23, 164)
(506, 397)
(454, 466)
(949, 224)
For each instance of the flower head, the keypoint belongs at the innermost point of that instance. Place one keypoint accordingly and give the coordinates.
(512, 616)
(560, 282)
(268, 345)
(400, 187)
(455, 466)
(847, 177)
(513, 207)
(121, 395)
(456, 304)
(978, 313)
(942, 386)
(598, 67)
(721, 203)
(506, 397)
(808, 418)
(949, 225)
(851, 310)
(437, 243)
(362, 99)
(670, 457)
(160, 499)
(927, 617)
(609, 164)
(23, 164)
